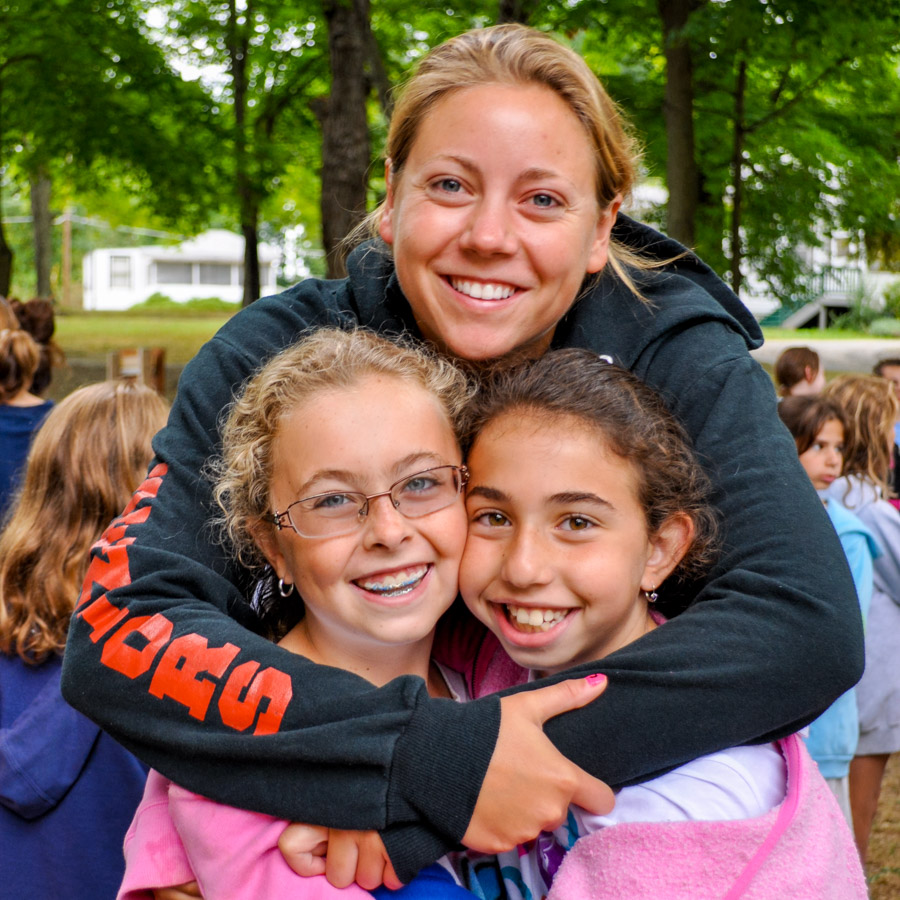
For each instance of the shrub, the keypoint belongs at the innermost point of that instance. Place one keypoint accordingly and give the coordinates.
(885, 326)
(158, 303)
(892, 300)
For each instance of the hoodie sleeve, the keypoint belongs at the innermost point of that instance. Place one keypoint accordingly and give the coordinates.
(774, 633)
(159, 652)
(34, 774)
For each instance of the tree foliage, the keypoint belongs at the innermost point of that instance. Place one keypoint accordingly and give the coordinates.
(83, 89)
(772, 122)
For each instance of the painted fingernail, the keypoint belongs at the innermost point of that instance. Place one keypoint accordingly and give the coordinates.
(596, 678)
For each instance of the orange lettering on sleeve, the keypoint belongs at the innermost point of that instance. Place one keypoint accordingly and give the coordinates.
(178, 673)
(270, 684)
(129, 660)
(101, 615)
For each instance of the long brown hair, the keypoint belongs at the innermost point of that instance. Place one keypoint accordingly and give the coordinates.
(870, 410)
(805, 417)
(88, 457)
(791, 366)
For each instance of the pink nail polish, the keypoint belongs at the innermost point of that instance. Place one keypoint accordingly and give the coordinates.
(596, 678)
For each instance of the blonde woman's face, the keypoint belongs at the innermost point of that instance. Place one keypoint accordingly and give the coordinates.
(494, 220)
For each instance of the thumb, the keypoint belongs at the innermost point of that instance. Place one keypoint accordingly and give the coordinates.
(592, 794)
(573, 693)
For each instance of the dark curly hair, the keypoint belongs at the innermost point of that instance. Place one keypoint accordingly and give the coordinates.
(632, 420)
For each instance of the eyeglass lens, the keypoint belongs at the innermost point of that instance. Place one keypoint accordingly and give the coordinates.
(343, 511)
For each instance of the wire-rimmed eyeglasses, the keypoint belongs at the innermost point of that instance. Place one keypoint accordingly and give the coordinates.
(340, 512)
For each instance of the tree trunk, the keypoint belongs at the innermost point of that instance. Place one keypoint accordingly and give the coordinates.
(345, 128)
(251, 258)
(678, 111)
(41, 223)
(514, 11)
(6, 255)
(737, 176)
(238, 48)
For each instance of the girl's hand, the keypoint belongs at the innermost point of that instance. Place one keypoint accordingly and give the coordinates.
(304, 847)
(529, 784)
(342, 856)
(189, 891)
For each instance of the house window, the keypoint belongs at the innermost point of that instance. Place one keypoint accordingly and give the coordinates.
(173, 273)
(120, 271)
(215, 273)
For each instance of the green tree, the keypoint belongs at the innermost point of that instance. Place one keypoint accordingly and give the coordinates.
(83, 90)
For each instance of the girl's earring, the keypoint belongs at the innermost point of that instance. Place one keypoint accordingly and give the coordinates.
(651, 596)
(285, 589)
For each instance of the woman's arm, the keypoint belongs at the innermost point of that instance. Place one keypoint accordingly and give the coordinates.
(774, 635)
(156, 657)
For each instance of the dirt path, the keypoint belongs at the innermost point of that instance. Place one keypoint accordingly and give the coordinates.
(884, 846)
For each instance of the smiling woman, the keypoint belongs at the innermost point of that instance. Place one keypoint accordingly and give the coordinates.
(494, 238)
(500, 233)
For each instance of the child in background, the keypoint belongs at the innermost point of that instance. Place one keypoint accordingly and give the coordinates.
(584, 500)
(890, 369)
(799, 372)
(36, 316)
(340, 483)
(21, 410)
(818, 428)
(67, 790)
(870, 409)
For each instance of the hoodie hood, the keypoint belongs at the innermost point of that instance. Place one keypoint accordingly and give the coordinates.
(44, 743)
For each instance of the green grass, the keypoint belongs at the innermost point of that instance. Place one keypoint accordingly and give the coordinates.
(91, 335)
(802, 335)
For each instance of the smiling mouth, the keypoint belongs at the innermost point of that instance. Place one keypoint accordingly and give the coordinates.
(395, 585)
(532, 619)
(482, 290)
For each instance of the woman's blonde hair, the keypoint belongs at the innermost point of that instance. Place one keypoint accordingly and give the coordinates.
(324, 360)
(518, 55)
(88, 458)
(870, 410)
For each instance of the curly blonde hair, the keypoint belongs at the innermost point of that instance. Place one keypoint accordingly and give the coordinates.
(326, 359)
(870, 410)
(87, 460)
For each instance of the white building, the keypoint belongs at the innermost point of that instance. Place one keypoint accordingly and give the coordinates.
(209, 265)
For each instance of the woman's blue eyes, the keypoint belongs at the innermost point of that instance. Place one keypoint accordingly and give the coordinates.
(454, 186)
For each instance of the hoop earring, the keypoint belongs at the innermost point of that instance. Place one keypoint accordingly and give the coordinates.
(651, 596)
(285, 589)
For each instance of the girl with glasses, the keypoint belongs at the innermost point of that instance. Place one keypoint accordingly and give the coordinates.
(340, 483)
